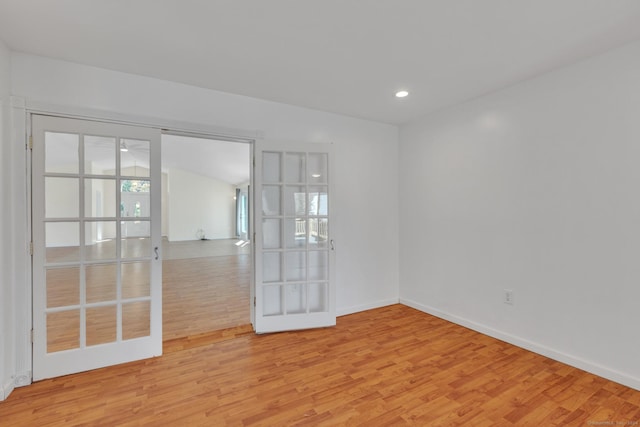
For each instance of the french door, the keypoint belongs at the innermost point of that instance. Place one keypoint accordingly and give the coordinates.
(294, 254)
(96, 245)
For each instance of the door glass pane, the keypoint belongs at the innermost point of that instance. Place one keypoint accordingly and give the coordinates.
(62, 240)
(271, 229)
(134, 158)
(272, 301)
(100, 242)
(99, 198)
(271, 267)
(63, 330)
(136, 279)
(101, 282)
(136, 321)
(318, 232)
(271, 167)
(271, 200)
(317, 297)
(317, 168)
(63, 286)
(295, 263)
(295, 233)
(135, 200)
(62, 197)
(295, 200)
(318, 265)
(318, 201)
(136, 247)
(296, 298)
(61, 152)
(99, 155)
(102, 323)
(294, 168)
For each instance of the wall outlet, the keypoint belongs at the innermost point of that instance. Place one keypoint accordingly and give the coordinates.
(508, 296)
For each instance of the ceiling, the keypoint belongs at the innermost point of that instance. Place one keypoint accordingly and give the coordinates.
(225, 161)
(342, 56)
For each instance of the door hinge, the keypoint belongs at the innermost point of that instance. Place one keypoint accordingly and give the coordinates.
(254, 301)
(30, 144)
(254, 162)
(32, 336)
(31, 248)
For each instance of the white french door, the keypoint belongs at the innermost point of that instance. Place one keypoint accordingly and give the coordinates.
(96, 245)
(294, 254)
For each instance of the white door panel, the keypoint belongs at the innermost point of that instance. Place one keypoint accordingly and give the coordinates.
(97, 272)
(294, 250)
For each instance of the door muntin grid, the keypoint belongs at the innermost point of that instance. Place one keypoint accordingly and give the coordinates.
(88, 301)
(295, 233)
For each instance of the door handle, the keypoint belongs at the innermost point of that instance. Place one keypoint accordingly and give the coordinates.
(156, 251)
(332, 246)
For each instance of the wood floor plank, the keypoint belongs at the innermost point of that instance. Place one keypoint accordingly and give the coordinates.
(385, 367)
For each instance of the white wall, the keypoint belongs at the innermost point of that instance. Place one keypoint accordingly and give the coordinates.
(536, 189)
(366, 227)
(198, 202)
(5, 289)
(244, 191)
(164, 203)
(6, 293)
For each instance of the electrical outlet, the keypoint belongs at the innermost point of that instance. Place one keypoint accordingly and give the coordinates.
(508, 296)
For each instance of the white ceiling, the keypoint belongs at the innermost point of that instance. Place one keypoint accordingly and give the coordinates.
(221, 160)
(343, 56)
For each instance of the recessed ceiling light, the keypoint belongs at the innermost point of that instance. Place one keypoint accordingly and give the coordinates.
(315, 175)
(401, 93)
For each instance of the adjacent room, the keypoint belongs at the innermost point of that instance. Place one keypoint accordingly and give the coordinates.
(205, 235)
(398, 212)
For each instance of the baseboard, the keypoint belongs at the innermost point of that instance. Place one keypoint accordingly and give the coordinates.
(577, 362)
(6, 390)
(363, 307)
(23, 379)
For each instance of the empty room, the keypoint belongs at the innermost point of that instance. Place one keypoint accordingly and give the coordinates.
(434, 220)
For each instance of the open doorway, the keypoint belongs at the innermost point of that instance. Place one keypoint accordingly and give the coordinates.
(205, 237)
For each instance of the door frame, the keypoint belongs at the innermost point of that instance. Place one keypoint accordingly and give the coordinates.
(20, 126)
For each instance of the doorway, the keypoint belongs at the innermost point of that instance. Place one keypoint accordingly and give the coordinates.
(99, 192)
(206, 251)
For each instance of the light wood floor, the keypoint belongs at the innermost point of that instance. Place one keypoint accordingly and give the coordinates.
(392, 366)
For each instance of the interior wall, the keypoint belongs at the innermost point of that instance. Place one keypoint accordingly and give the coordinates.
(199, 203)
(6, 292)
(365, 229)
(534, 189)
(164, 203)
(244, 192)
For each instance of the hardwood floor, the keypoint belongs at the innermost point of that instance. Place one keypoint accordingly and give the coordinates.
(391, 366)
(204, 294)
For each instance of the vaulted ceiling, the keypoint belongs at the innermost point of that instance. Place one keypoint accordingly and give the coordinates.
(342, 56)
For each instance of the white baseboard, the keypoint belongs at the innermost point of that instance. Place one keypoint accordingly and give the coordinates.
(577, 362)
(23, 379)
(363, 307)
(6, 390)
